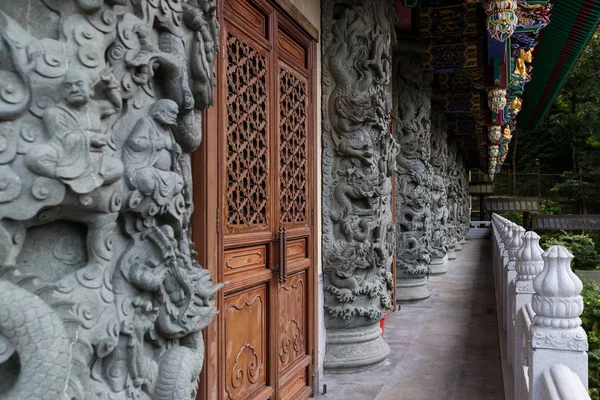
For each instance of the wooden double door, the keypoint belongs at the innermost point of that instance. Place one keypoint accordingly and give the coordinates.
(260, 171)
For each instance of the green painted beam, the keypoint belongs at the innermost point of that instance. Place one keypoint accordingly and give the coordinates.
(571, 25)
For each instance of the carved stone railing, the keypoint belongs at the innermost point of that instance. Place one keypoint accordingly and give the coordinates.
(544, 347)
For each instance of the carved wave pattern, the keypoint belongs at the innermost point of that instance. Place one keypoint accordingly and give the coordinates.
(247, 130)
(293, 131)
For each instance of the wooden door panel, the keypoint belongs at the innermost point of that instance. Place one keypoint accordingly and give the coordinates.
(249, 15)
(292, 357)
(293, 147)
(243, 260)
(265, 167)
(292, 320)
(247, 173)
(246, 357)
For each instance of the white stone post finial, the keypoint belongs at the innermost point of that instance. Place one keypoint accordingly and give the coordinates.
(515, 242)
(508, 234)
(558, 304)
(556, 335)
(529, 259)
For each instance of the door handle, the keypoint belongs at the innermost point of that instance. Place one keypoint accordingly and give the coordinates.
(282, 255)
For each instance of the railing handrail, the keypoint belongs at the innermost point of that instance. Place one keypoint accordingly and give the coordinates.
(544, 344)
(561, 383)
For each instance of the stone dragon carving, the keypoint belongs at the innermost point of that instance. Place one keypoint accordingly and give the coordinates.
(439, 197)
(100, 293)
(358, 157)
(412, 99)
(458, 197)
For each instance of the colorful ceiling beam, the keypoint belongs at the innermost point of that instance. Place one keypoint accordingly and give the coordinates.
(519, 50)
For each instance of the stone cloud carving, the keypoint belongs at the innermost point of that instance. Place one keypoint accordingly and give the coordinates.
(412, 99)
(100, 102)
(358, 160)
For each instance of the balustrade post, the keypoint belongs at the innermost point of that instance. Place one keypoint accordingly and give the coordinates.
(528, 265)
(513, 247)
(556, 334)
(499, 236)
(508, 234)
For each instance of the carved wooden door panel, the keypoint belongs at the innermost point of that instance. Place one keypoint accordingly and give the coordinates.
(265, 329)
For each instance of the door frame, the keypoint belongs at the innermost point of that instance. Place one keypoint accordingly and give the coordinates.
(209, 185)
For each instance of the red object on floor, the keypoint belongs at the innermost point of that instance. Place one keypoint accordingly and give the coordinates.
(382, 323)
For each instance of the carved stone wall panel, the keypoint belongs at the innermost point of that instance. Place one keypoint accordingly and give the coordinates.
(357, 165)
(100, 106)
(293, 109)
(414, 173)
(247, 135)
(246, 349)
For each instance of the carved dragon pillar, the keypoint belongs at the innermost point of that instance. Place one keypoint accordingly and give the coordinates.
(100, 293)
(412, 103)
(456, 199)
(439, 196)
(358, 159)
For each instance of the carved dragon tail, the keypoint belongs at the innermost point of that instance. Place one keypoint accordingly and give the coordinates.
(15, 102)
(179, 370)
(36, 334)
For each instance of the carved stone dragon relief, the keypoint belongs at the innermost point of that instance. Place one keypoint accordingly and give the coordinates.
(439, 200)
(99, 112)
(458, 197)
(358, 160)
(357, 164)
(414, 172)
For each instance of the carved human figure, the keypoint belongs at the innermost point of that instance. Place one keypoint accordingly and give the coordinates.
(117, 298)
(521, 62)
(77, 152)
(150, 156)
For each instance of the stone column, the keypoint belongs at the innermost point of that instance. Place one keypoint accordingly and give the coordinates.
(453, 200)
(439, 200)
(100, 102)
(358, 161)
(412, 103)
(556, 334)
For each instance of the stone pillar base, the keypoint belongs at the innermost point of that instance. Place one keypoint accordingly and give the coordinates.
(355, 349)
(438, 265)
(458, 247)
(451, 255)
(463, 240)
(412, 289)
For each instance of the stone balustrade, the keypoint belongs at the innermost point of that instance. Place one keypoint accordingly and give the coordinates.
(543, 346)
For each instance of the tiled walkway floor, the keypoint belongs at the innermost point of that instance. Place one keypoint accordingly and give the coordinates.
(443, 348)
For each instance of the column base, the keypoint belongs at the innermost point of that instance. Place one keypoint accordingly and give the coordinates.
(438, 265)
(458, 247)
(463, 240)
(452, 255)
(355, 349)
(412, 289)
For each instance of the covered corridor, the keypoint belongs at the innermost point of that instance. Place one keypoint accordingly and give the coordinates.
(445, 347)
